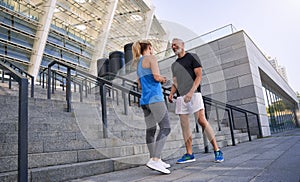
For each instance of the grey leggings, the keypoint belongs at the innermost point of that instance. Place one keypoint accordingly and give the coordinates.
(156, 113)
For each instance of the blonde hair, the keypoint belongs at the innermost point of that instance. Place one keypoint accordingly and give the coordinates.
(138, 48)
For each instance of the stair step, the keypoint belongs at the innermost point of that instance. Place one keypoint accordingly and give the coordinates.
(65, 145)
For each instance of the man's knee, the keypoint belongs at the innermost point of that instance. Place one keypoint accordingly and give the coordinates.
(203, 122)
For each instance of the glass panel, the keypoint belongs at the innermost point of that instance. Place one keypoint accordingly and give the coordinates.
(23, 26)
(69, 57)
(18, 54)
(2, 49)
(20, 39)
(55, 39)
(280, 111)
(52, 51)
(73, 47)
(3, 33)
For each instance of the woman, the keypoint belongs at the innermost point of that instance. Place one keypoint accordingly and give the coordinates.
(152, 103)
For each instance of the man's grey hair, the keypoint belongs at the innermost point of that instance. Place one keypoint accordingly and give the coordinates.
(178, 39)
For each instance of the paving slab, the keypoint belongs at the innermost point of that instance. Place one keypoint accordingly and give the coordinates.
(271, 159)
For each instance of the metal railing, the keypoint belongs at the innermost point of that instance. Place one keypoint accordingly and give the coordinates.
(19, 70)
(193, 43)
(218, 105)
(101, 82)
(22, 121)
(229, 109)
(200, 40)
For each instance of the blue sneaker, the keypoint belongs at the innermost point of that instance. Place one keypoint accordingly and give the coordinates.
(218, 156)
(186, 158)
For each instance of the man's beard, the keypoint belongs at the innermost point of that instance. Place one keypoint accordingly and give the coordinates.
(178, 51)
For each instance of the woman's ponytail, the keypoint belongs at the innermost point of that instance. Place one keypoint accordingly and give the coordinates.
(137, 50)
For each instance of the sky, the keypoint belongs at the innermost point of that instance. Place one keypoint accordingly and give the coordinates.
(273, 25)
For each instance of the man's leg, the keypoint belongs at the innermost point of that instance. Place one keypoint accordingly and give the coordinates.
(207, 128)
(186, 132)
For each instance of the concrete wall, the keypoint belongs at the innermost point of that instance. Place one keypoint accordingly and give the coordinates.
(231, 74)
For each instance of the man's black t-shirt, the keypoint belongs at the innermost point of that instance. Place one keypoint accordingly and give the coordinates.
(183, 70)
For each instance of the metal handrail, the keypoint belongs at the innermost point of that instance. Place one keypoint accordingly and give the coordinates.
(244, 111)
(102, 82)
(228, 108)
(21, 71)
(99, 81)
(73, 79)
(22, 122)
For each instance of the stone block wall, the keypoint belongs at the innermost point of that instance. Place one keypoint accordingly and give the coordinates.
(231, 75)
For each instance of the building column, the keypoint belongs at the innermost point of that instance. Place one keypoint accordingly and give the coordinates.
(148, 23)
(101, 39)
(41, 38)
(297, 112)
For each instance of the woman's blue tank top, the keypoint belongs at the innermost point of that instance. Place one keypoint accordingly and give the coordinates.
(151, 89)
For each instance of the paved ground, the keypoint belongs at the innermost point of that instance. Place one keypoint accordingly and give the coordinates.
(271, 159)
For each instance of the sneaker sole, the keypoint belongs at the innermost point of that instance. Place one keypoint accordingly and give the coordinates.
(150, 167)
(191, 160)
(219, 161)
(167, 166)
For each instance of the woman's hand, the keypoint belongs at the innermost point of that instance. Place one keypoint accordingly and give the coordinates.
(163, 79)
(170, 98)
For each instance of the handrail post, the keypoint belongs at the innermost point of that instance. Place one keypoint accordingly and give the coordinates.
(68, 90)
(86, 88)
(49, 83)
(103, 106)
(134, 97)
(40, 78)
(125, 100)
(247, 123)
(32, 87)
(80, 92)
(218, 118)
(117, 95)
(129, 103)
(2, 76)
(53, 81)
(23, 131)
(9, 82)
(259, 126)
(63, 84)
(43, 86)
(205, 140)
(230, 117)
(90, 89)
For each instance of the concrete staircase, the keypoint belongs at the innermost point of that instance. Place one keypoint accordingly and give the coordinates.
(64, 146)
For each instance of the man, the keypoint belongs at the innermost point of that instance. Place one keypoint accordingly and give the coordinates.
(187, 76)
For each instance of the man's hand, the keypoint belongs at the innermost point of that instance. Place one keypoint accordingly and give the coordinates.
(163, 79)
(170, 98)
(188, 97)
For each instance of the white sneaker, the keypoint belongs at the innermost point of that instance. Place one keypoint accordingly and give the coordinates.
(166, 165)
(157, 165)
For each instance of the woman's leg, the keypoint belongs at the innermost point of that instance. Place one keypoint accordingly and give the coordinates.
(162, 118)
(150, 129)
